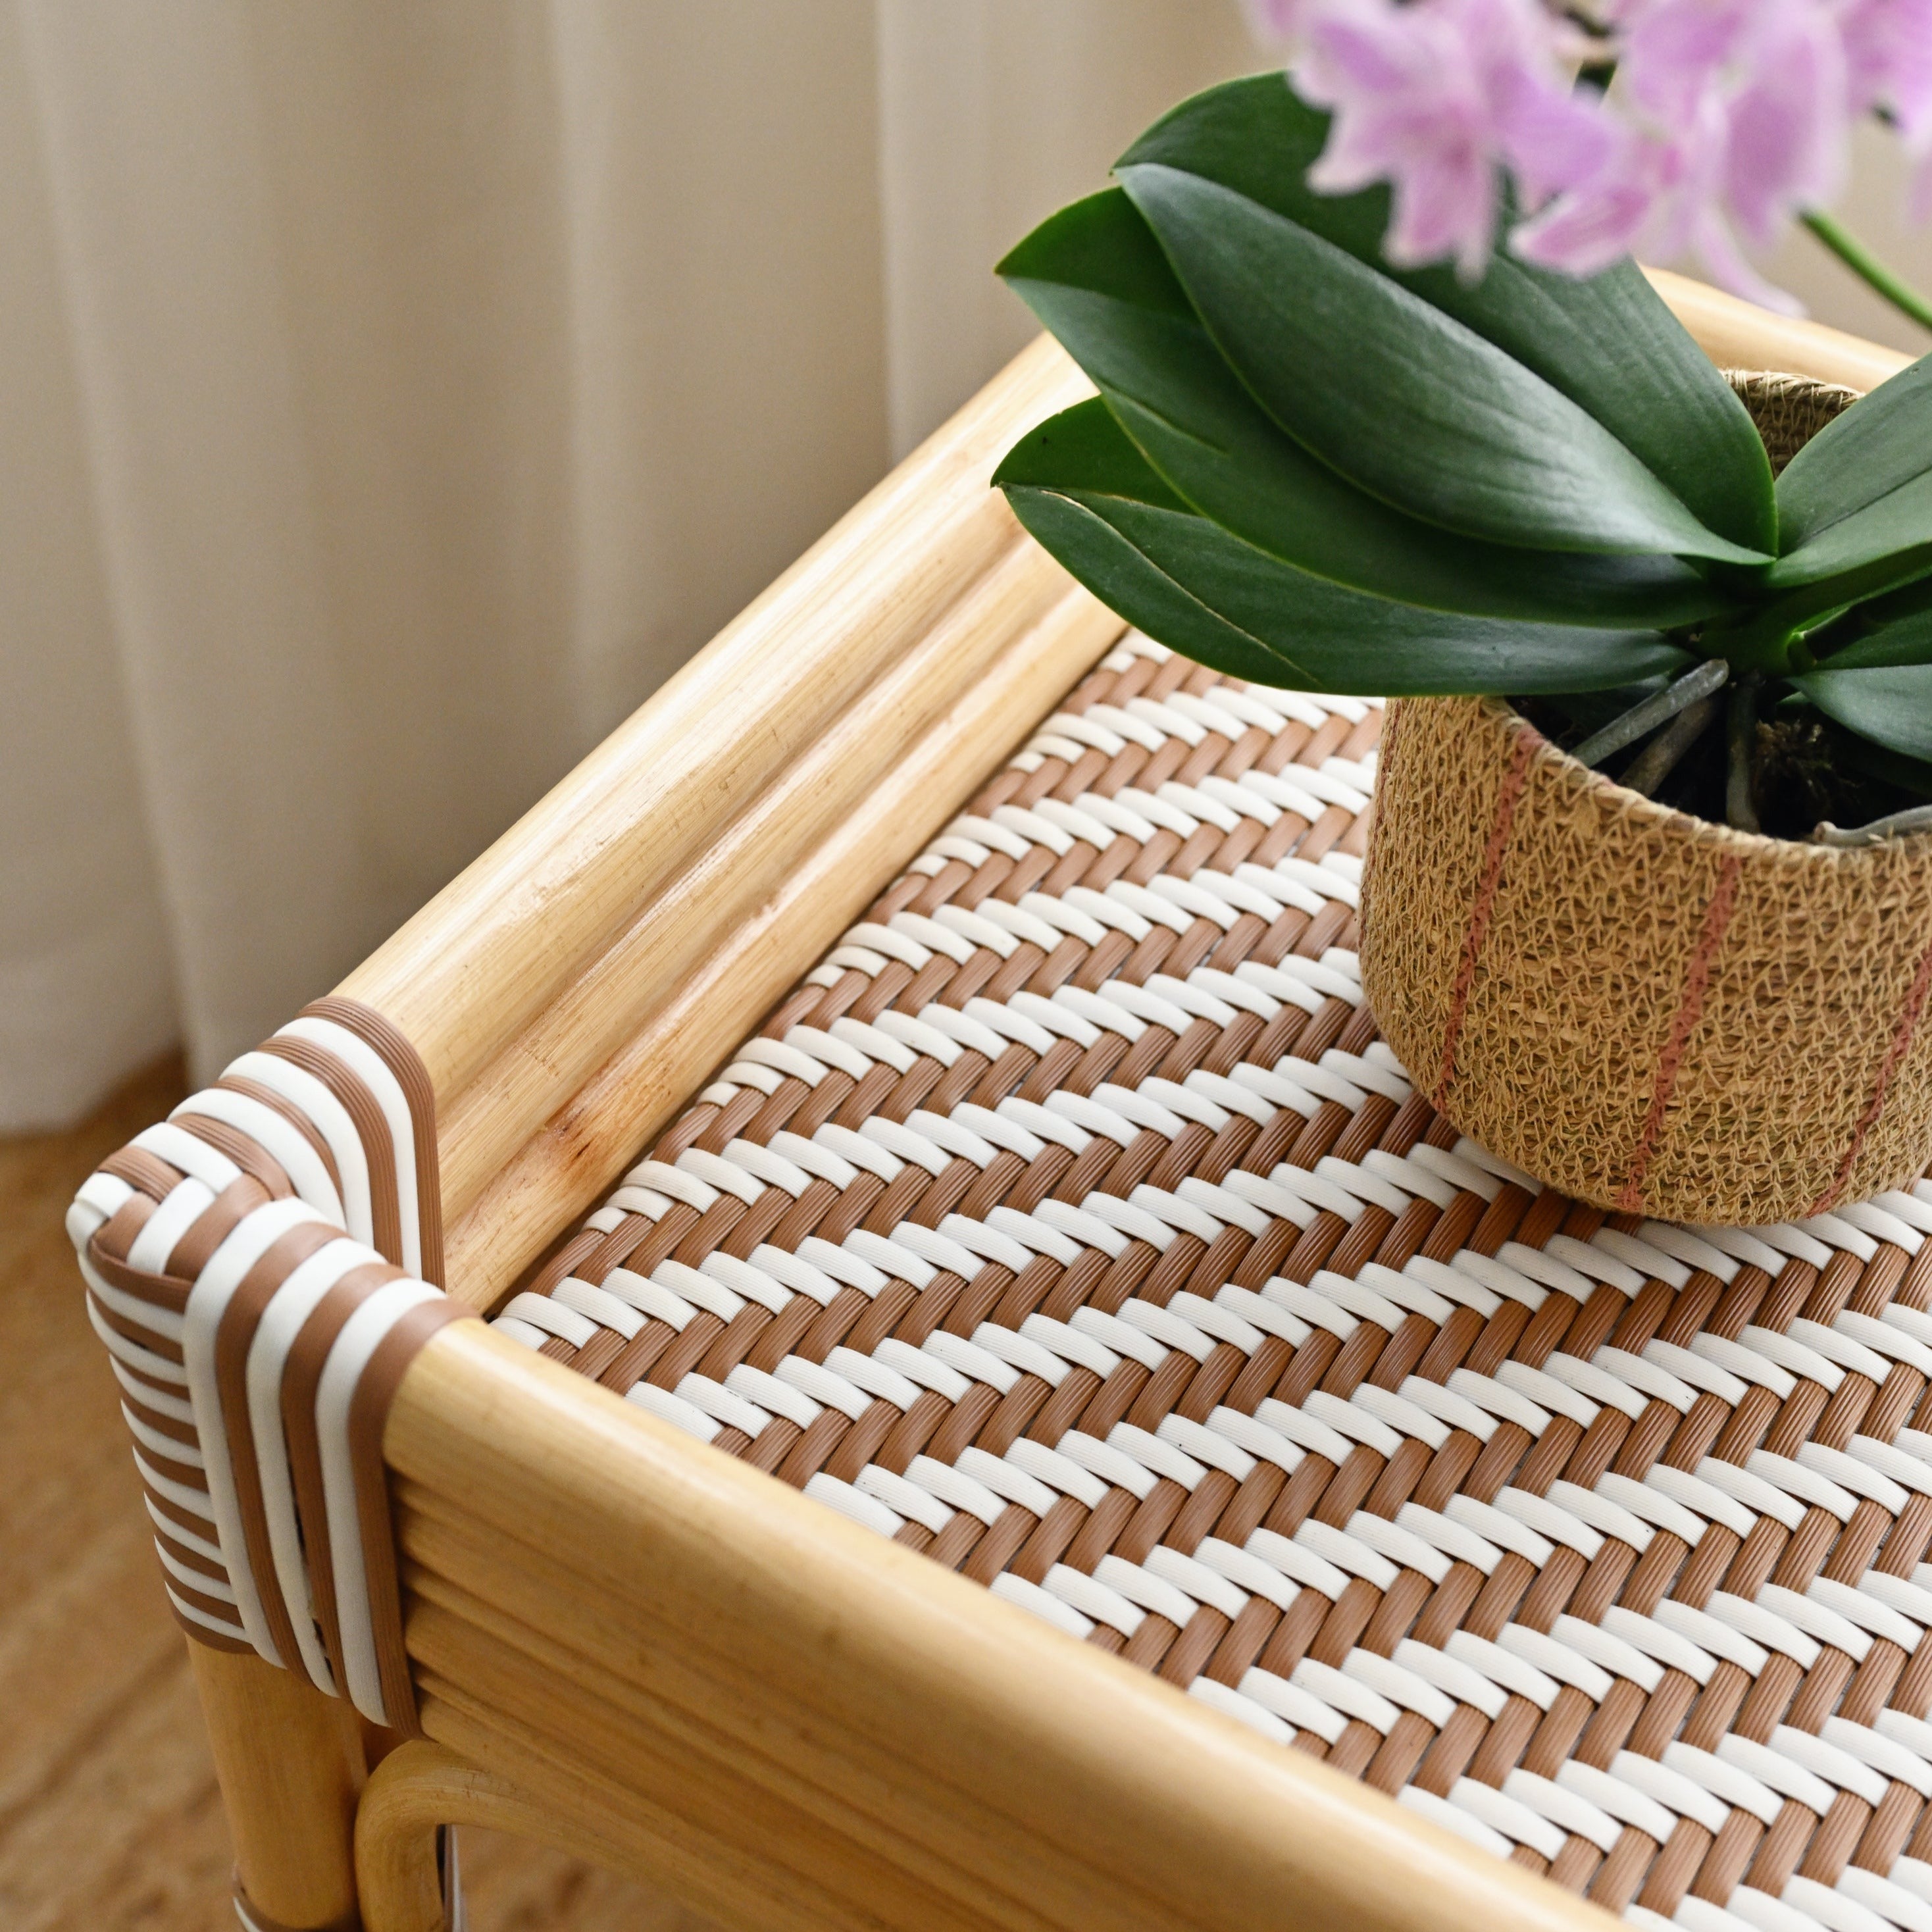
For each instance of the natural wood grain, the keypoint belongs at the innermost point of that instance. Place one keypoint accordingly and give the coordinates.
(701, 1741)
(798, 1724)
(290, 1761)
(949, 1732)
(424, 1785)
(702, 1768)
(715, 976)
(729, 831)
(491, 950)
(762, 1871)
(1738, 334)
(518, 1884)
(110, 1814)
(416, 1788)
(840, 790)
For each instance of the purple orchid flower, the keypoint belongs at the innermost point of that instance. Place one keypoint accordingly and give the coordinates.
(1439, 98)
(1888, 61)
(1735, 116)
(1729, 119)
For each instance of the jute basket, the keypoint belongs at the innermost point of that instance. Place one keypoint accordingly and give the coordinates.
(1658, 1015)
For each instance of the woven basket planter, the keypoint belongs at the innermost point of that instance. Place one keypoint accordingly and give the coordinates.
(1652, 1012)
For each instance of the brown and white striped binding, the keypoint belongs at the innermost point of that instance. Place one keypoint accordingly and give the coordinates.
(260, 1267)
(1072, 1225)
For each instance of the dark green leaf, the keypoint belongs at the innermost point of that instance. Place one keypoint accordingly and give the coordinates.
(1402, 399)
(1890, 704)
(1882, 543)
(1879, 446)
(1876, 763)
(1095, 276)
(1856, 501)
(1610, 344)
(1907, 642)
(1910, 600)
(1128, 584)
(1080, 484)
(1084, 449)
(1100, 243)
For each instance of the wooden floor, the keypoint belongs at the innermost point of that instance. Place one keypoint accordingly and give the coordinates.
(108, 1817)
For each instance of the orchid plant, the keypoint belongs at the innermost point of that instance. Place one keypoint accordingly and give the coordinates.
(1728, 120)
(1311, 464)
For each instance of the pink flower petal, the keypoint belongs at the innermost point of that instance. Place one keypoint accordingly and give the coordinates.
(1586, 230)
(1676, 49)
(1729, 117)
(1888, 57)
(1445, 211)
(1437, 97)
(1585, 233)
(1552, 141)
(1789, 124)
(1717, 250)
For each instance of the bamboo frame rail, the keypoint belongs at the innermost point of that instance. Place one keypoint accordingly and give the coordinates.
(858, 1734)
(283, 1750)
(776, 885)
(570, 987)
(415, 1790)
(1738, 334)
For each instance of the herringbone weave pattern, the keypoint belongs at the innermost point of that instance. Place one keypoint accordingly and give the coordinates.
(1071, 1224)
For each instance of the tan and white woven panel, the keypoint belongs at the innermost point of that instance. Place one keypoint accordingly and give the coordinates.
(1071, 1224)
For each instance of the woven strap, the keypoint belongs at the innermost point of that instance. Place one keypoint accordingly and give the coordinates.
(259, 1267)
(1071, 1225)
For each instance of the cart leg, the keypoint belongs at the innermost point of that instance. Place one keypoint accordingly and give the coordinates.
(415, 1798)
(290, 1764)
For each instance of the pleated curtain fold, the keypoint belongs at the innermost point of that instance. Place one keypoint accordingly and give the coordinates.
(391, 396)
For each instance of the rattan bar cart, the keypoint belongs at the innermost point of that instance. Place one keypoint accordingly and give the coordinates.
(958, 996)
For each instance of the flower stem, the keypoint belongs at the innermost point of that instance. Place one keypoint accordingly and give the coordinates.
(1863, 263)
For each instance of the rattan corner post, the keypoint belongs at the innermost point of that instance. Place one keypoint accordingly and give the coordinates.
(550, 1611)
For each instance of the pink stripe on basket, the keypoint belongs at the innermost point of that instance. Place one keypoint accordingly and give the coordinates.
(1901, 1045)
(1528, 742)
(1696, 982)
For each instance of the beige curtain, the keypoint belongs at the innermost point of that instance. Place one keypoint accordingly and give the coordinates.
(390, 396)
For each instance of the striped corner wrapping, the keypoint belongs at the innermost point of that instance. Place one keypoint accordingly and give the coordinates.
(259, 1267)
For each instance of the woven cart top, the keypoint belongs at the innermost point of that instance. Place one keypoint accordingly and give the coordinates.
(1071, 1224)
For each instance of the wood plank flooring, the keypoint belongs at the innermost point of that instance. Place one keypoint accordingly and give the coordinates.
(109, 1821)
